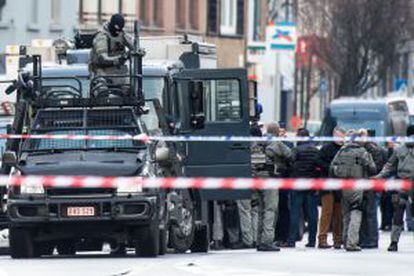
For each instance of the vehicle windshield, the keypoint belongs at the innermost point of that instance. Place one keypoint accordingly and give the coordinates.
(120, 122)
(153, 88)
(377, 125)
(75, 85)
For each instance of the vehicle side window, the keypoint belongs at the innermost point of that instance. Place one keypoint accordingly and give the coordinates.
(222, 100)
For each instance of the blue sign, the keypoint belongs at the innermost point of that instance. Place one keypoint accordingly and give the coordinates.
(281, 36)
(400, 84)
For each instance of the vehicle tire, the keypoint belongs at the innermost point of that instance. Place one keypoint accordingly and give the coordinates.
(21, 243)
(181, 236)
(148, 240)
(66, 248)
(163, 242)
(201, 243)
(44, 249)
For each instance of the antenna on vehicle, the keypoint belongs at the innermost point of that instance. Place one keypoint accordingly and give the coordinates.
(137, 65)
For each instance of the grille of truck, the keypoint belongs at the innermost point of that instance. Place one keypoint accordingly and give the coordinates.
(80, 192)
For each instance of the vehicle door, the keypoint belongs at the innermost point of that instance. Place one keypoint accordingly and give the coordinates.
(214, 102)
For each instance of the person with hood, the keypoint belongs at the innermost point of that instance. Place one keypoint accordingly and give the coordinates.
(352, 162)
(401, 163)
(110, 51)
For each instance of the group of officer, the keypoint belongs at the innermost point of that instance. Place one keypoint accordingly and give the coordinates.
(352, 215)
(344, 211)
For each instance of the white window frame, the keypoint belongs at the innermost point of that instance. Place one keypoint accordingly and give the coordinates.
(228, 17)
(34, 16)
(56, 11)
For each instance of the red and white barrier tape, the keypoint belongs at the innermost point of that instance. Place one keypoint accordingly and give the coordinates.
(208, 183)
(145, 138)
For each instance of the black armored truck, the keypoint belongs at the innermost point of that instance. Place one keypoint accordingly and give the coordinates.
(180, 100)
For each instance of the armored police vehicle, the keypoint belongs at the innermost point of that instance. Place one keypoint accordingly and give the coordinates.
(196, 101)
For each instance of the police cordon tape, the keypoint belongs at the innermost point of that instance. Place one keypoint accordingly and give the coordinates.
(145, 138)
(206, 183)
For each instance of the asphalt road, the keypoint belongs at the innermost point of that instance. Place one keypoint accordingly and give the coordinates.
(297, 261)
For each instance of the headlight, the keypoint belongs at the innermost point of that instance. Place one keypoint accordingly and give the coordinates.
(32, 185)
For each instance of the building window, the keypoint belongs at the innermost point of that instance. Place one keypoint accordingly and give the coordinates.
(257, 19)
(180, 14)
(129, 9)
(228, 18)
(240, 17)
(89, 10)
(35, 12)
(158, 14)
(212, 17)
(55, 8)
(194, 14)
(2, 4)
(143, 12)
(109, 7)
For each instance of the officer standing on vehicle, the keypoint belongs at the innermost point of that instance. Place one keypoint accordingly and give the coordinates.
(400, 163)
(354, 162)
(110, 51)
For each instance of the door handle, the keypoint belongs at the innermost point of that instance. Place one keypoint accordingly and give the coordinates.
(239, 147)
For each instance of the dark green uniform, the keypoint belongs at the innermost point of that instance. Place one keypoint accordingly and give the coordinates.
(107, 55)
(401, 164)
(352, 161)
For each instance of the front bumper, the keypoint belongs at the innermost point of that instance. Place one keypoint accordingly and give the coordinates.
(131, 210)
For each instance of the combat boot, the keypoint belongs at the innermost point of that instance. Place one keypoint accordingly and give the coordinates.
(353, 248)
(393, 247)
(268, 248)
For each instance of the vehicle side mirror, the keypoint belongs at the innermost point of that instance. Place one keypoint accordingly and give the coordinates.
(9, 158)
(10, 89)
(196, 89)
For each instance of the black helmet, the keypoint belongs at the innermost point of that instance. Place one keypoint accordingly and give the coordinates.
(116, 24)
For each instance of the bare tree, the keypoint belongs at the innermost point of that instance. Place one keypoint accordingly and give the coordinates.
(358, 39)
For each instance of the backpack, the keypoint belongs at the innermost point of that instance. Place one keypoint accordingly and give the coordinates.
(348, 163)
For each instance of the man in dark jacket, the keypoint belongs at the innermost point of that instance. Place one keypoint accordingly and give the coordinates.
(369, 226)
(304, 165)
(331, 213)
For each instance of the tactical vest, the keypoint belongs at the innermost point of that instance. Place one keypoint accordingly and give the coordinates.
(349, 163)
(261, 165)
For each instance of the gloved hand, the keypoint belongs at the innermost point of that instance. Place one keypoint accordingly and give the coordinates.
(123, 58)
(141, 52)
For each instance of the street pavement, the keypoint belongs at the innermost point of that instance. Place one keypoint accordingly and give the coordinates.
(294, 261)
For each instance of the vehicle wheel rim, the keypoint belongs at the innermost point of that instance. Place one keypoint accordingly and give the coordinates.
(186, 225)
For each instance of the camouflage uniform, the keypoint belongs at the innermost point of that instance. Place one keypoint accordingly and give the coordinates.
(106, 55)
(265, 158)
(400, 163)
(352, 161)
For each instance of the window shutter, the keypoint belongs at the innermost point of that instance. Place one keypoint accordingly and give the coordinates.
(212, 16)
(240, 17)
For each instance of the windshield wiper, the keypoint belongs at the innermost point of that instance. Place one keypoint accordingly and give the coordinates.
(116, 149)
(47, 151)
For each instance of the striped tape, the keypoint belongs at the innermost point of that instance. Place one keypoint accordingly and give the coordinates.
(208, 183)
(145, 138)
